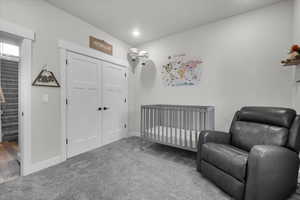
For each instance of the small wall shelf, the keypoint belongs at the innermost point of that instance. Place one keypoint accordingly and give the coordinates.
(292, 63)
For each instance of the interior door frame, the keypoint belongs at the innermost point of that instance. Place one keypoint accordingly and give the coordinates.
(64, 48)
(27, 37)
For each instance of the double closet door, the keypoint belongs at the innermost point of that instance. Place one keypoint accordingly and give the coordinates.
(96, 103)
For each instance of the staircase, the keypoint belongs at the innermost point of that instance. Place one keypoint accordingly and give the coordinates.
(9, 84)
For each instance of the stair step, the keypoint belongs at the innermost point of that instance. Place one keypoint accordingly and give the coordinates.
(9, 85)
(9, 129)
(10, 100)
(10, 90)
(9, 114)
(6, 116)
(8, 76)
(9, 69)
(11, 81)
(11, 96)
(10, 133)
(11, 107)
(11, 110)
(9, 118)
(9, 124)
(10, 72)
(10, 138)
(12, 69)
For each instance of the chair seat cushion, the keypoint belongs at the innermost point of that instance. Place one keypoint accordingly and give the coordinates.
(226, 158)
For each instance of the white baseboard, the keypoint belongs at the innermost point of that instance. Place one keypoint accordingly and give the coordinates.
(59, 159)
(44, 164)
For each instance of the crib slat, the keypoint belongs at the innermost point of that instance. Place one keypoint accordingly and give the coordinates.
(191, 128)
(162, 126)
(146, 122)
(171, 125)
(180, 127)
(174, 125)
(185, 128)
(150, 123)
(157, 123)
(142, 122)
(154, 124)
(141, 125)
(166, 126)
(150, 127)
(196, 128)
(204, 120)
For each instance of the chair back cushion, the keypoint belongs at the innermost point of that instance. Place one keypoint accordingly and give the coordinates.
(261, 126)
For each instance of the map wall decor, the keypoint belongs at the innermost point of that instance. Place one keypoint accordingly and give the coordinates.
(181, 71)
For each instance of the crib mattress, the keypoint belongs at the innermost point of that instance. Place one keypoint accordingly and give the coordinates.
(174, 136)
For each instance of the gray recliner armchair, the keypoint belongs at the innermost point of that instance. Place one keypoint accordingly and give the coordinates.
(258, 158)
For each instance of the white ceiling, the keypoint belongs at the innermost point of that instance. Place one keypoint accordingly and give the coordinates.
(154, 18)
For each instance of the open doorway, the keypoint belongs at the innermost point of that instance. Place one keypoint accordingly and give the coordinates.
(9, 107)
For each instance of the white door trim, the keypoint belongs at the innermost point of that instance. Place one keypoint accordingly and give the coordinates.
(17, 30)
(27, 37)
(66, 47)
(91, 53)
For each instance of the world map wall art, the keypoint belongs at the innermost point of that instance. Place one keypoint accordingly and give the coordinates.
(181, 71)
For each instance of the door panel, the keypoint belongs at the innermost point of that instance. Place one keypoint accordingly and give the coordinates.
(114, 99)
(83, 102)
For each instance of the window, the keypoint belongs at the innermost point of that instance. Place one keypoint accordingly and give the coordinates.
(9, 49)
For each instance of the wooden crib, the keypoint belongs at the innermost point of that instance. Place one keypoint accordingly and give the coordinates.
(176, 125)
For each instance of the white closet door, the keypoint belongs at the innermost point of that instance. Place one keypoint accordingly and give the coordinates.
(83, 116)
(114, 102)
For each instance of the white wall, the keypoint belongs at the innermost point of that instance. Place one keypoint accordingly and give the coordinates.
(50, 25)
(296, 21)
(241, 66)
(296, 37)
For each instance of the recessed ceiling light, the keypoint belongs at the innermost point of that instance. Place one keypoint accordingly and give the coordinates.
(136, 33)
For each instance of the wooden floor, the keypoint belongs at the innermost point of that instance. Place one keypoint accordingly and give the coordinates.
(9, 164)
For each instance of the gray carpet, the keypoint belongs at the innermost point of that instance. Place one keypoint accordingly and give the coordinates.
(130, 169)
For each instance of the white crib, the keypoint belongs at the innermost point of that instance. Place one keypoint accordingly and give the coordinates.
(176, 125)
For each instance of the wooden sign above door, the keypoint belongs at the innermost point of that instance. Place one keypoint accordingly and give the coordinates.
(101, 45)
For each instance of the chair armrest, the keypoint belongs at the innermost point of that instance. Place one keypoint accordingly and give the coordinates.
(211, 137)
(271, 173)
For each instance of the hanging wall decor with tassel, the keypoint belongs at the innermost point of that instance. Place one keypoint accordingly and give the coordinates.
(46, 78)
